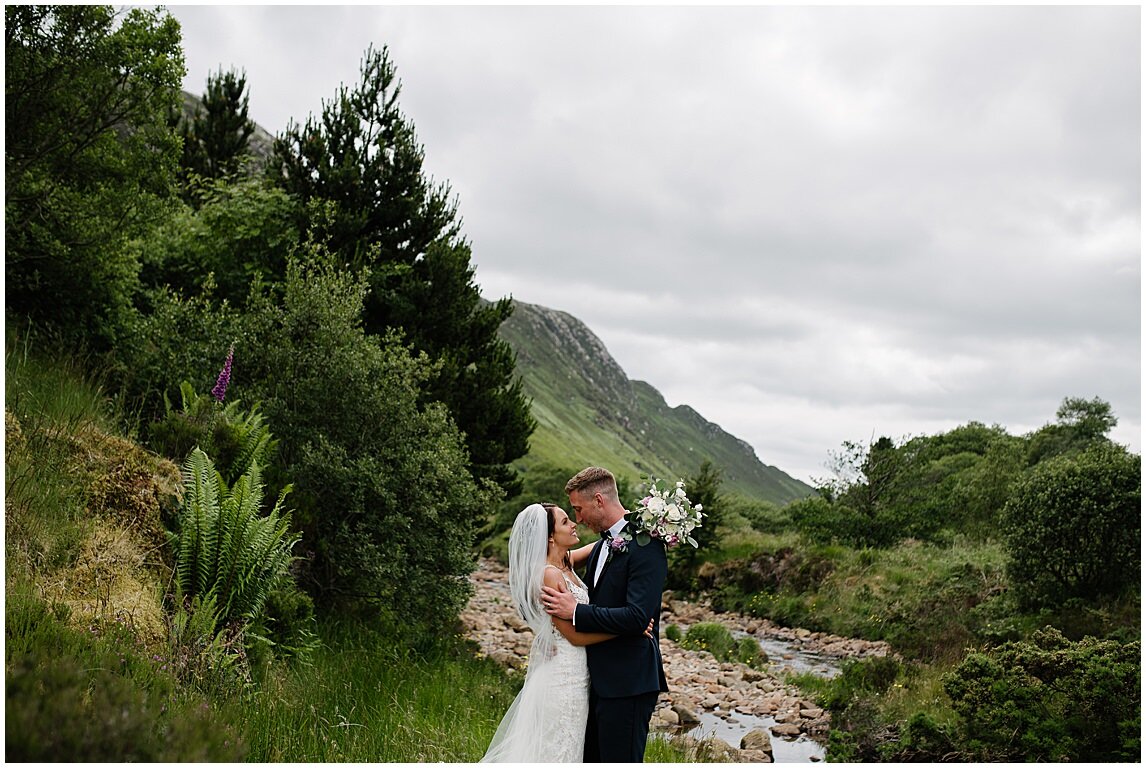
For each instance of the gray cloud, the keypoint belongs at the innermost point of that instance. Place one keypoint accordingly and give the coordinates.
(810, 224)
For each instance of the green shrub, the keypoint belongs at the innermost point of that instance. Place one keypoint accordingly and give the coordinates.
(1050, 700)
(1073, 526)
(231, 436)
(922, 739)
(860, 678)
(382, 487)
(96, 695)
(748, 651)
(672, 632)
(287, 626)
(825, 522)
(710, 636)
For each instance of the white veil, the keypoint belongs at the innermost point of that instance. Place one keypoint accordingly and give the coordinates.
(521, 736)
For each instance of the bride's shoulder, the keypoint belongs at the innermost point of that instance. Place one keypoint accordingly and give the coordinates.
(552, 577)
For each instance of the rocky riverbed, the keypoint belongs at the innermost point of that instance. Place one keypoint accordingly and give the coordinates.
(701, 689)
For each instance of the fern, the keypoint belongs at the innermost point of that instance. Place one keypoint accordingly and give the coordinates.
(198, 536)
(227, 552)
(255, 442)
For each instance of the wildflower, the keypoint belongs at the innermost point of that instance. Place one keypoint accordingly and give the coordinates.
(224, 379)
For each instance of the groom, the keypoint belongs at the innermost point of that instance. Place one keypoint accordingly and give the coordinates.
(625, 585)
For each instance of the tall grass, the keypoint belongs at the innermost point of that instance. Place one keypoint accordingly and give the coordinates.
(365, 697)
(52, 404)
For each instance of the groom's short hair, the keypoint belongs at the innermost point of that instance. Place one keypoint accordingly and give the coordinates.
(593, 480)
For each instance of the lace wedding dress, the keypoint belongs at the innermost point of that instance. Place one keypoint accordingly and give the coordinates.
(546, 722)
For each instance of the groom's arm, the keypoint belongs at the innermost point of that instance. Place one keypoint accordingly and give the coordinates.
(647, 575)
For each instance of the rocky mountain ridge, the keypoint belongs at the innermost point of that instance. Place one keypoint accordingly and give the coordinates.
(590, 412)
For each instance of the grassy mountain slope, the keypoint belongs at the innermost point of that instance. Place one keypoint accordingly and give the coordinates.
(589, 412)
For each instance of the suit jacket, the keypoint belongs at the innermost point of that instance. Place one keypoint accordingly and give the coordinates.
(622, 601)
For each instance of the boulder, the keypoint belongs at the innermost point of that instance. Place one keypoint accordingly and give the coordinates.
(786, 730)
(754, 756)
(757, 738)
(685, 715)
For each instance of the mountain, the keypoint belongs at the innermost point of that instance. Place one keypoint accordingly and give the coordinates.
(588, 411)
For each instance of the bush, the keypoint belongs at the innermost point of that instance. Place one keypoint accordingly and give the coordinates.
(858, 679)
(748, 651)
(231, 436)
(382, 487)
(825, 522)
(710, 636)
(98, 696)
(1073, 527)
(672, 632)
(1051, 700)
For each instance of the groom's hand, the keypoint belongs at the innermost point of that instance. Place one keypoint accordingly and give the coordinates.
(559, 604)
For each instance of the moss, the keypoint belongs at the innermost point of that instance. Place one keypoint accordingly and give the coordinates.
(111, 580)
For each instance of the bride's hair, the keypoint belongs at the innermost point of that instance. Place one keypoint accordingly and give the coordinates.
(551, 508)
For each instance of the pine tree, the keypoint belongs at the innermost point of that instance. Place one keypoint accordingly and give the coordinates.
(217, 136)
(358, 172)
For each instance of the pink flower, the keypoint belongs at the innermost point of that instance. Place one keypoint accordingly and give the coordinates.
(220, 389)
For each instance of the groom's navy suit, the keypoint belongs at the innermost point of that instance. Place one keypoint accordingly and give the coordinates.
(625, 673)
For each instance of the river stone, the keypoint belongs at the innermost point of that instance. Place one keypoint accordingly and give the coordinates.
(754, 756)
(757, 738)
(723, 752)
(515, 622)
(786, 729)
(685, 715)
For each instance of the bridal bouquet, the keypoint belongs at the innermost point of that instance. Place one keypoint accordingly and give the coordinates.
(667, 515)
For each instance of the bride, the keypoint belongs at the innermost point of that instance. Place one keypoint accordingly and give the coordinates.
(546, 722)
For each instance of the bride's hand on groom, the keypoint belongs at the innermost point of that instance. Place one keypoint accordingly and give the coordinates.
(649, 630)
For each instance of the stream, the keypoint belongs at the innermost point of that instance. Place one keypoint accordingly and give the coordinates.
(726, 700)
(784, 657)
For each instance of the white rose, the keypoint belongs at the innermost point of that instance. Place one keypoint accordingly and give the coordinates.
(674, 513)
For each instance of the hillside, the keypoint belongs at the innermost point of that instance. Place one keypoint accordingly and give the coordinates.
(588, 411)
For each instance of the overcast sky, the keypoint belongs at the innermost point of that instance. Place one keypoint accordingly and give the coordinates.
(811, 225)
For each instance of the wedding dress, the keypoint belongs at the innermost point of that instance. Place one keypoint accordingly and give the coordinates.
(546, 722)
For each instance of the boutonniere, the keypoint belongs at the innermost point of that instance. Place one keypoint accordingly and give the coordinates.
(618, 545)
